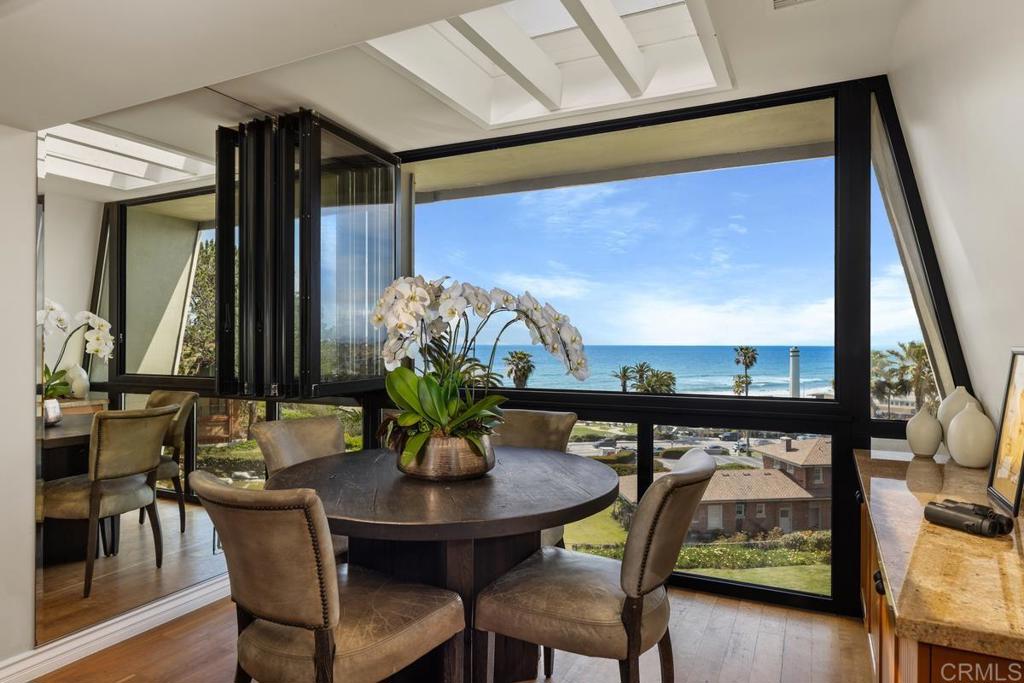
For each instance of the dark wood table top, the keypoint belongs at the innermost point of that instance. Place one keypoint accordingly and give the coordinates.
(73, 430)
(365, 496)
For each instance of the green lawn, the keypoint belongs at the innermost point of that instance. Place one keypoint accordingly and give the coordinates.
(602, 429)
(599, 529)
(812, 578)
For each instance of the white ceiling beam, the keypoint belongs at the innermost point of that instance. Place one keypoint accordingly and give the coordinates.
(497, 35)
(604, 28)
(130, 148)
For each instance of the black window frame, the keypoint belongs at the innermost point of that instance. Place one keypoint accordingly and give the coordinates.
(847, 418)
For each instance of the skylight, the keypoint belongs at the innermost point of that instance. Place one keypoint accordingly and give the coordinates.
(109, 160)
(528, 60)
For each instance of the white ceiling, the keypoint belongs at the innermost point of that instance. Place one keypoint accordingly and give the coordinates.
(97, 68)
(65, 60)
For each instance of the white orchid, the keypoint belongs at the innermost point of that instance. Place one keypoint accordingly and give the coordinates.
(452, 309)
(415, 311)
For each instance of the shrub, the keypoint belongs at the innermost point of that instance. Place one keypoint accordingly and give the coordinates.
(675, 453)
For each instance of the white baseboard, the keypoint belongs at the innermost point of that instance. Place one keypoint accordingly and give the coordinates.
(25, 667)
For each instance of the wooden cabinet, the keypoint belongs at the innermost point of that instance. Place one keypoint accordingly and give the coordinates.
(902, 660)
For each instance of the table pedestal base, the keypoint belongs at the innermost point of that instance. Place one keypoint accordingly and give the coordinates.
(466, 567)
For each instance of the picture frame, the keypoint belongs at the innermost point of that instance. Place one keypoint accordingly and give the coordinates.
(1004, 479)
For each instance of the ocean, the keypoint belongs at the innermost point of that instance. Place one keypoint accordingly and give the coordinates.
(698, 369)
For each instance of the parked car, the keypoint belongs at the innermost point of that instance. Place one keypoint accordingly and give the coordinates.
(730, 436)
(741, 449)
(608, 442)
(715, 449)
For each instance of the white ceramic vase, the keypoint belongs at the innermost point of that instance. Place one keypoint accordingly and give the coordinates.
(78, 378)
(951, 407)
(971, 437)
(924, 433)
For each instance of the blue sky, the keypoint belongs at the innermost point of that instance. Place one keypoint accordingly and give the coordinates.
(732, 256)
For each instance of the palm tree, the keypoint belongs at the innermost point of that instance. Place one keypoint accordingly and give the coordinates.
(519, 366)
(656, 382)
(641, 369)
(747, 357)
(887, 380)
(913, 363)
(741, 385)
(625, 375)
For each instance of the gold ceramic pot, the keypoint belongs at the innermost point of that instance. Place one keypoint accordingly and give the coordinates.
(447, 458)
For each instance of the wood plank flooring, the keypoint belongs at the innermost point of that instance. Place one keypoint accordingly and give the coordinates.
(715, 639)
(130, 578)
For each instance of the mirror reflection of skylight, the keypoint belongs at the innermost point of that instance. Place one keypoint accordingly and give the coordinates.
(106, 159)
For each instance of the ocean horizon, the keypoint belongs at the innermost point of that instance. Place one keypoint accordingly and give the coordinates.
(698, 369)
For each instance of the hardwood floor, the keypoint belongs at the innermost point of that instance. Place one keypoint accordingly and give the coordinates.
(129, 579)
(714, 639)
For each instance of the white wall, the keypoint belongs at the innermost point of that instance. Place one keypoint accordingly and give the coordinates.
(17, 454)
(958, 79)
(70, 238)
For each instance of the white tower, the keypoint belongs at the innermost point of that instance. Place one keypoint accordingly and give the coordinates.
(794, 372)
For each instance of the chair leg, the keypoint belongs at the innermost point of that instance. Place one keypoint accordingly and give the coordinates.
(142, 515)
(181, 501)
(158, 541)
(454, 652)
(629, 670)
(549, 662)
(104, 543)
(90, 553)
(665, 655)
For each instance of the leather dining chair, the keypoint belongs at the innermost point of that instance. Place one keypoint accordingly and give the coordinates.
(301, 617)
(596, 606)
(545, 429)
(170, 463)
(537, 429)
(124, 454)
(288, 442)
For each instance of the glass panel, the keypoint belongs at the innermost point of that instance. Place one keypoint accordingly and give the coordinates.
(224, 444)
(766, 517)
(357, 243)
(904, 359)
(170, 301)
(670, 248)
(613, 443)
(351, 417)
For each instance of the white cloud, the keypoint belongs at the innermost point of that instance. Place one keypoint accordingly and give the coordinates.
(893, 316)
(738, 229)
(556, 286)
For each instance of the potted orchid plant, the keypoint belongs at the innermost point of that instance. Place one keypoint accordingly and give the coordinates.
(436, 376)
(73, 380)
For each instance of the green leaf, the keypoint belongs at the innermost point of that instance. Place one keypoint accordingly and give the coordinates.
(481, 407)
(408, 419)
(476, 443)
(432, 402)
(401, 384)
(413, 445)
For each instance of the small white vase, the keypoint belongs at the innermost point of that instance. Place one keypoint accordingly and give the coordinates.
(971, 438)
(78, 378)
(924, 433)
(952, 405)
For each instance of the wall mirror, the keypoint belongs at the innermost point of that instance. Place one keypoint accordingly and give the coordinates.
(149, 172)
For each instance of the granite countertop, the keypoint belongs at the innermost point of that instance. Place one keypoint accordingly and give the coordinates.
(946, 587)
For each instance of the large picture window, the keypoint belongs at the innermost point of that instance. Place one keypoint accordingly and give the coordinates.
(696, 267)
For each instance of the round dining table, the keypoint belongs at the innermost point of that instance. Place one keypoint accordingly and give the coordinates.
(460, 535)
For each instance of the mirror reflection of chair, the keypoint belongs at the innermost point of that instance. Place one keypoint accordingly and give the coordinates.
(599, 607)
(288, 442)
(301, 617)
(124, 454)
(170, 463)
